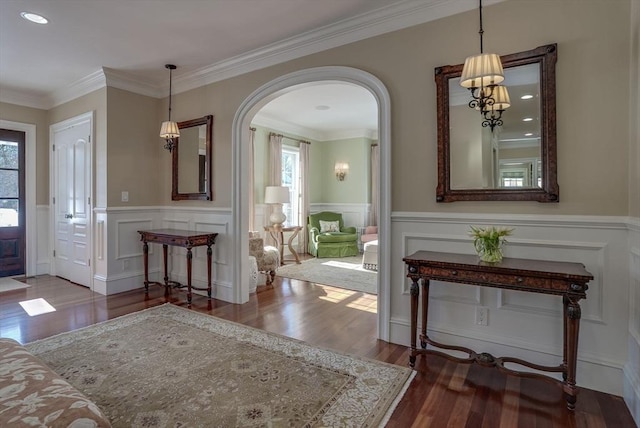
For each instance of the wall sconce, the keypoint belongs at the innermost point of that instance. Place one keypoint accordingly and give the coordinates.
(169, 129)
(481, 74)
(277, 195)
(341, 168)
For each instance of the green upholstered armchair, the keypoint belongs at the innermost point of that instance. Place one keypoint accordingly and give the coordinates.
(329, 238)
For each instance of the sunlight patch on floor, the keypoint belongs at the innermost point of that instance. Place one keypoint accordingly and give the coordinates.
(343, 265)
(366, 302)
(36, 307)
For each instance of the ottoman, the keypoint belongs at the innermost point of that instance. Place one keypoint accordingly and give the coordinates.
(370, 256)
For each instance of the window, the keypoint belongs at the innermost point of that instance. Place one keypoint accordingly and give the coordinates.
(291, 179)
(9, 184)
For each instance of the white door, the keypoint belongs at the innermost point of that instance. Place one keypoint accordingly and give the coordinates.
(71, 154)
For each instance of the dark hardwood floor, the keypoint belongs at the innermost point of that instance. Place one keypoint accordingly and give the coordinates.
(443, 393)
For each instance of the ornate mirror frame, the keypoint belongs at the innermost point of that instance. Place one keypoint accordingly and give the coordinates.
(546, 56)
(204, 171)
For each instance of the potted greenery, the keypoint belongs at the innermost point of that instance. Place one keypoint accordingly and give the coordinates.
(488, 242)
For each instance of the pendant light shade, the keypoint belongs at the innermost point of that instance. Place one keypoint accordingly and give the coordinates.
(501, 98)
(169, 129)
(482, 70)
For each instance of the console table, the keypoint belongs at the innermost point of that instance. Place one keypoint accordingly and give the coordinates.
(179, 238)
(277, 233)
(565, 279)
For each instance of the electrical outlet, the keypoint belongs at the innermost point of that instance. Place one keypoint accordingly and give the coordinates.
(125, 264)
(482, 315)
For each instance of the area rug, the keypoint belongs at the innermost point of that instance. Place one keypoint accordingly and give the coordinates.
(169, 366)
(10, 284)
(344, 272)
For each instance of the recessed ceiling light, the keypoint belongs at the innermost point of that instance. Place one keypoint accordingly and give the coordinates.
(527, 119)
(528, 134)
(526, 97)
(34, 17)
(322, 107)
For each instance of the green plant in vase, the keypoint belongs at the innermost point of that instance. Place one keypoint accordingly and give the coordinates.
(488, 242)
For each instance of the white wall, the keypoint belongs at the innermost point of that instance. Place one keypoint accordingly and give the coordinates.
(524, 325)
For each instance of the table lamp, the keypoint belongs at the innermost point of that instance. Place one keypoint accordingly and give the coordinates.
(277, 195)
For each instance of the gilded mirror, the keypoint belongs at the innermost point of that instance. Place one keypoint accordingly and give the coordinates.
(512, 162)
(192, 160)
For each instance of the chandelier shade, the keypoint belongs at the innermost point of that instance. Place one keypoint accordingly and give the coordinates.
(169, 129)
(481, 71)
(501, 100)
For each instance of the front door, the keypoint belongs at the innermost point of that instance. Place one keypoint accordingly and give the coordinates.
(72, 189)
(12, 203)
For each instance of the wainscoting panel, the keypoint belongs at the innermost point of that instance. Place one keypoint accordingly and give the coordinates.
(632, 367)
(123, 269)
(524, 325)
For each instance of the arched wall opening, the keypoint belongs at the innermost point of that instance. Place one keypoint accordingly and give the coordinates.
(240, 174)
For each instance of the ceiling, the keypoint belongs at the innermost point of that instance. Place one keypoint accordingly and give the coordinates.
(89, 44)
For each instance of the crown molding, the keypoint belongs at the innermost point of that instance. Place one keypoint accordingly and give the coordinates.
(127, 82)
(386, 19)
(84, 86)
(383, 20)
(313, 134)
(23, 98)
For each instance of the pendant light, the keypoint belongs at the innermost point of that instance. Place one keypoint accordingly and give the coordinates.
(169, 129)
(481, 74)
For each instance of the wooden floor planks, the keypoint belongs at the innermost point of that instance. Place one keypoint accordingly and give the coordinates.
(444, 393)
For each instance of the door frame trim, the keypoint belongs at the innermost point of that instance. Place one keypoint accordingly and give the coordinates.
(31, 231)
(57, 127)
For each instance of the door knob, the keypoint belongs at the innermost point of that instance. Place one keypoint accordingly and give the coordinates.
(68, 216)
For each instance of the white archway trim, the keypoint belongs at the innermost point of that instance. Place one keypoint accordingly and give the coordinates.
(30, 191)
(240, 174)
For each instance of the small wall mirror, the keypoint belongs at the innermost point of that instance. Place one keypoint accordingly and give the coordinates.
(192, 160)
(513, 162)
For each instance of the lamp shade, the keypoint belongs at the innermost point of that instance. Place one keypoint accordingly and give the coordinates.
(501, 98)
(276, 195)
(169, 129)
(481, 71)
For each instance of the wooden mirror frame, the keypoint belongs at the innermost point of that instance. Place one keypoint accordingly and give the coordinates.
(207, 195)
(546, 56)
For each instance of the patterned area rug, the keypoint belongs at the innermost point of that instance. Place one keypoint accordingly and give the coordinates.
(9, 284)
(344, 272)
(168, 366)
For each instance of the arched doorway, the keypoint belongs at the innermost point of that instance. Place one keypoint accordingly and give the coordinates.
(240, 173)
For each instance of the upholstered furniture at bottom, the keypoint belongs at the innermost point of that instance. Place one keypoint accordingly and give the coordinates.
(267, 257)
(370, 255)
(31, 394)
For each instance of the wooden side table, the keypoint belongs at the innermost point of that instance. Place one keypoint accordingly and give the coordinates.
(179, 238)
(277, 233)
(565, 279)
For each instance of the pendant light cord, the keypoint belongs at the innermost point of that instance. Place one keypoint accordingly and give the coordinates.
(171, 80)
(481, 32)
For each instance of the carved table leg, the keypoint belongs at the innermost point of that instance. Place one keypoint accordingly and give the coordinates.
(415, 292)
(209, 253)
(145, 258)
(573, 328)
(165, 259)
(290, 245)
(189, 258)
(425, 312)
(565, 337)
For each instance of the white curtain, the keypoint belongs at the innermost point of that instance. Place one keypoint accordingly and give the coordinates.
(275, 163)
(252, 180)
(275, 173)
(375, 191)
(304, 192)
